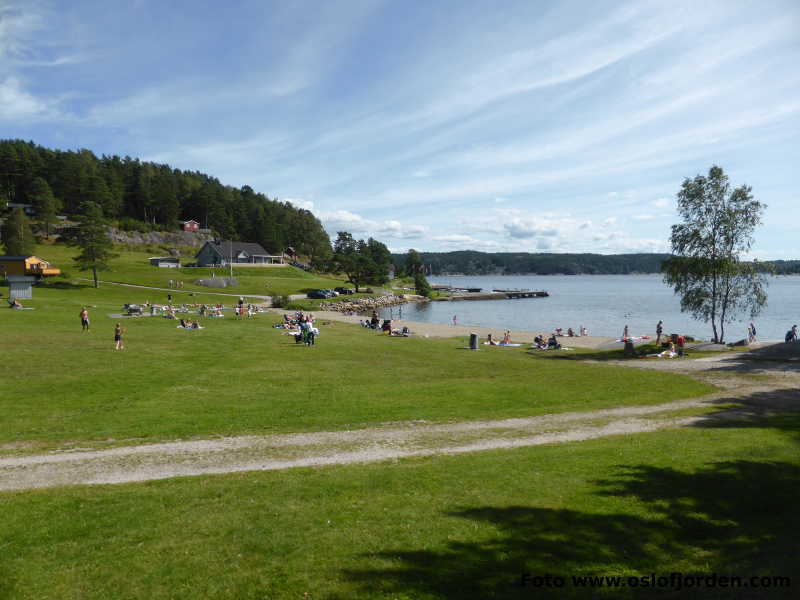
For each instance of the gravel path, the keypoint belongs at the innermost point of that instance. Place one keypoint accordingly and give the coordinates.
(775, 388)
(262, 453)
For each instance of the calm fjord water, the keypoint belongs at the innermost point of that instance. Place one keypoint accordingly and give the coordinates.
(602, 303)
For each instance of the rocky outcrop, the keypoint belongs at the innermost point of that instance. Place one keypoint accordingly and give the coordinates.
(158, 238)
(369, 304)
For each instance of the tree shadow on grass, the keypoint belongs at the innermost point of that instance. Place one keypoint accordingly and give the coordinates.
(735, 518)
(585, 354)
(63, 285)
(774, 409)
(773, 358)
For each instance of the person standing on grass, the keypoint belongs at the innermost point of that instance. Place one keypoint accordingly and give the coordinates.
(84, 319)
(118, 343)
(659, 331)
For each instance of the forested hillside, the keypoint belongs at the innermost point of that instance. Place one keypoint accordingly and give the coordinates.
(145, 195)
(470, 262)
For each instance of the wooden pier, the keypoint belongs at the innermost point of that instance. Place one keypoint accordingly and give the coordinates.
(523, 293)
(496, 295)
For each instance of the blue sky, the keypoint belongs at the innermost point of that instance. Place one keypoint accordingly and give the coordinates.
(510, 126)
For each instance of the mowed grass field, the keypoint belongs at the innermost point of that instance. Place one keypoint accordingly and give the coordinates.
(133, 267)
(62, 385)
(700, 500)
(718, 497)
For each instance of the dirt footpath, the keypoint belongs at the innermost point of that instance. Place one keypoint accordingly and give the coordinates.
(759, 383)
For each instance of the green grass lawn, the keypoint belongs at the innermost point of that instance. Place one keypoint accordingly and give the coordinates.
(704, 499)
(700, 500)
(133, 267)
(235, 377)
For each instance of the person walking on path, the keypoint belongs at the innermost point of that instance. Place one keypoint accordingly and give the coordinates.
(455, 320)
(625, 333)
(751, 334)
(118, 343)
(659, 331)
(84, 319)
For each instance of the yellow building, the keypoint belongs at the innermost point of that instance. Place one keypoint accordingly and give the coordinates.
(30, 266)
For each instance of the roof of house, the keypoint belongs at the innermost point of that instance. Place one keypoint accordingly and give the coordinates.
(227, 248)
(20, 257)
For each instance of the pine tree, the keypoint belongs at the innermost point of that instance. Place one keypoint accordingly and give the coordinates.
(93, 240)
(17, 235)
(46, 205)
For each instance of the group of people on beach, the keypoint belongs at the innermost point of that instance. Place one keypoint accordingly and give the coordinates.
(386, 327)
(506, 341)
(551, 343)
(582, 331)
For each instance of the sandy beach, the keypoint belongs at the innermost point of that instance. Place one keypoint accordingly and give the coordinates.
(437, 330)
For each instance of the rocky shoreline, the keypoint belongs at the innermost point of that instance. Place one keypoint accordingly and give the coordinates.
(366, 305)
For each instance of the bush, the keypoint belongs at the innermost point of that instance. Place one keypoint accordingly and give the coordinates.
(278, 300)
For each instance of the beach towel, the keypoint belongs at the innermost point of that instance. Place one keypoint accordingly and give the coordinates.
(189, 328)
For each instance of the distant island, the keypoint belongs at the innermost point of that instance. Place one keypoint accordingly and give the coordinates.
(471, 262)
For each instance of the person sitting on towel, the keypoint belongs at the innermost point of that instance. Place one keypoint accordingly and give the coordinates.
(552, 343)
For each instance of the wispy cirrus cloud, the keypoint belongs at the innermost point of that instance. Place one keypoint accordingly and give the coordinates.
(414, 121)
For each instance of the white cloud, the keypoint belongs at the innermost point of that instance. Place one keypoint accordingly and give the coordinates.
(521, 229)
(454, 238)
(344, 220)
(609, 221)
(660, 203)
(19, 23)
(300, 203)
(17, 103)
(643, 217)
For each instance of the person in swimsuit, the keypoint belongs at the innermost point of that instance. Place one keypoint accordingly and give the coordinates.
(84, 319)
(118, 331)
